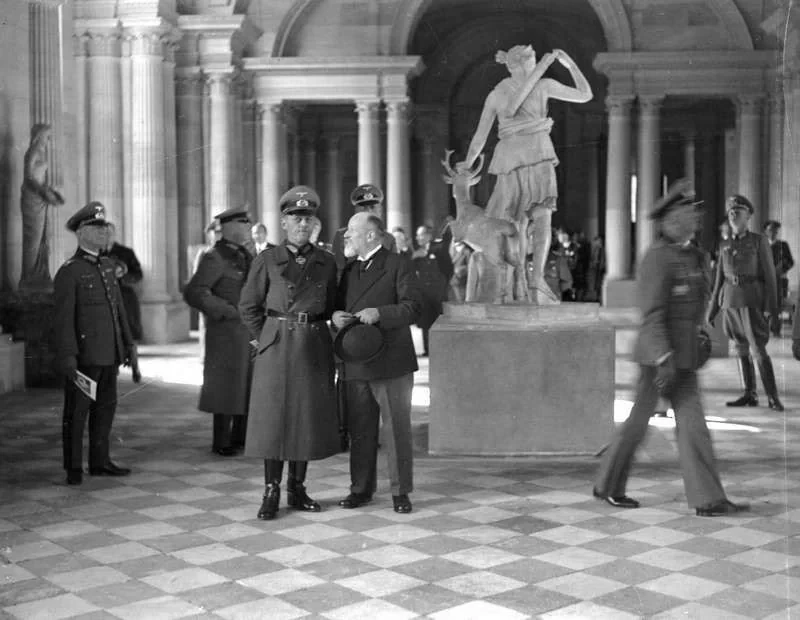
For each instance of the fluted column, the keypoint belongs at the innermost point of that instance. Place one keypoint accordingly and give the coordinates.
(249, 135)
(148, 151)
(398, 178)
(333, 188)
(105, 122)
(649, 179)
(191, 177)
(283, 140)
(775, 155)
(270, 170)
(310, 161)
(618, 188)
(219, 143)
(750, 172)
(171, 171)
(79, 48)
(368, 143)
(297, 163)
(235, 132)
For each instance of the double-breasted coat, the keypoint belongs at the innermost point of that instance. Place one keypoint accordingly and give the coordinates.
(214, 290)
(293, 408)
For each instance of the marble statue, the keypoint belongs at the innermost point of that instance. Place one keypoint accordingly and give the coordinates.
(495, 272)
(524, 160)
(37, 198)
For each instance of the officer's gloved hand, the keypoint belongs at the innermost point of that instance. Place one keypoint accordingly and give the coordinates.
(665, 377)
(796, 348)
(69, 366)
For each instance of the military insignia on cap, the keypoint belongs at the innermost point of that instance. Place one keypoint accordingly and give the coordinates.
(302, 202)
(368, 196)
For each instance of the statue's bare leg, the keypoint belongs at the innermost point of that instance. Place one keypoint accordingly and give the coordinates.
(541, 219)
(515, 257)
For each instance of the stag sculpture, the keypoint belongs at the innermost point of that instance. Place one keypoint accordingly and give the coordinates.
(495, 242)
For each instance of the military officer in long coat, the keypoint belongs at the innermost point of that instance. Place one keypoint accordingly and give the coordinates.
(91, 336)
(672, 291)
(289, 296)
(746, 291)
(214, 290)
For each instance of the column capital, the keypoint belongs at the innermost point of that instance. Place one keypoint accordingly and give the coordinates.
(268, 111)
(619, 105)
(751, 103)
(368, 107)
(103, 42)
(398, 106)
(650, 104)
(146, 43)
(80, 45)
(332, 141)
(189, 83)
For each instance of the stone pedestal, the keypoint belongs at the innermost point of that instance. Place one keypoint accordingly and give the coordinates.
(165, 322)
(29, 317)
(12, 364)
(513, 380)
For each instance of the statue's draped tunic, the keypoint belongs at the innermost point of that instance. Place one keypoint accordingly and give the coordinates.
(524, 159)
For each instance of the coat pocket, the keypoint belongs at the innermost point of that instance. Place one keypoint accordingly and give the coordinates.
(269, 335)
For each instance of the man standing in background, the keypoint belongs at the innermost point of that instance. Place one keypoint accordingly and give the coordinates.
(129, 274)
(783, 260)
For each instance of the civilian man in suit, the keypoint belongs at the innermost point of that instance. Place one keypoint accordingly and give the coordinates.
(214, 290)
(129, 274)
(259, 238)
(434, 269)
(746, 292)
(783, 261)
(672, 291)
(92, 336)
(379, 288)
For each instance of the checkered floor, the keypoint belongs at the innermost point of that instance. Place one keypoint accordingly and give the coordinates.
(488, 539)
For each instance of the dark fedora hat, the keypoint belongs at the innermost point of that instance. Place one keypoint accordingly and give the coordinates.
(358, 342)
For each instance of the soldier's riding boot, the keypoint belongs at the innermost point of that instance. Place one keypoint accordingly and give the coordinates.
(273, 471)
(770, 387)
(747, 372)
(296, 495)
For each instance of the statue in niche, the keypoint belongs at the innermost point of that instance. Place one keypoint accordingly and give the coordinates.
(37, 198)
(524, 159)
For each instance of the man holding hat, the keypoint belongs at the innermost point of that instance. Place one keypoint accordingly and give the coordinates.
(378, 288)
(92, 338)
(672, 291)
(746, 291)
(288, 297)
(214, 290)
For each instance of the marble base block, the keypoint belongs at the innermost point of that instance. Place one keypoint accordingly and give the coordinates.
(164, 322)
(513, 380)
(12, 364)
(620, 294)
(29, 317)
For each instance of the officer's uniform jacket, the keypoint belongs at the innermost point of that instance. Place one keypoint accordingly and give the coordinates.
(672, 291)
(90, 320)
(745, 275)
(214, 290)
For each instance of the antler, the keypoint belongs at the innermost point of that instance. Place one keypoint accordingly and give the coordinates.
(446, 162)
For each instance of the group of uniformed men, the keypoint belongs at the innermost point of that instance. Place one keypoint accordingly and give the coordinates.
(270, 366)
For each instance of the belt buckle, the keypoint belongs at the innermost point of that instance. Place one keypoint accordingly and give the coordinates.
(302, 318)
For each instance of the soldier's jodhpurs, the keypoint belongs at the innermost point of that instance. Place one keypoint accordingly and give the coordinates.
(77, 406)
(700, 478)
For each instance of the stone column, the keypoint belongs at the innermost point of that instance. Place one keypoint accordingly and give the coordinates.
(776, 209)
(126, 208)
(398, 181)
(283, 140)
(171, 171)
(219, 143)
(689, 158)
(79, 43)
(249, 124)
(618, 189)
(105, 122)
(649, 181)
(235, 142)
(333, 189)
(750, 173)
(368, 143)
(191, 177)
(297, 157)
(270, 170)
(310, 161)
(592, 162)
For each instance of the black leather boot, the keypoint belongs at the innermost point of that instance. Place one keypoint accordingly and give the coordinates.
(296, 495)
(273, 472)
(747, 373)
(770, 387)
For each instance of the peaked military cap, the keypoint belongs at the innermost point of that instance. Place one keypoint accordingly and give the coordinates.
(366, 195)
(233, 213)
(300, 200)
(679, 194)
(738, 201)
(92, 213)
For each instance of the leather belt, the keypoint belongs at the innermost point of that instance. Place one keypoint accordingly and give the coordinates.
(298, 317)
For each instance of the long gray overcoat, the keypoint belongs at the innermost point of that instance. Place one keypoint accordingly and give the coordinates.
(214, 290)
(292, 400)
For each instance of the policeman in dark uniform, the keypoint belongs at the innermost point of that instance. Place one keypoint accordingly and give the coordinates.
(672, 290)
(214, 290)
(745, 289)
(92, 337)
(365, 197)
